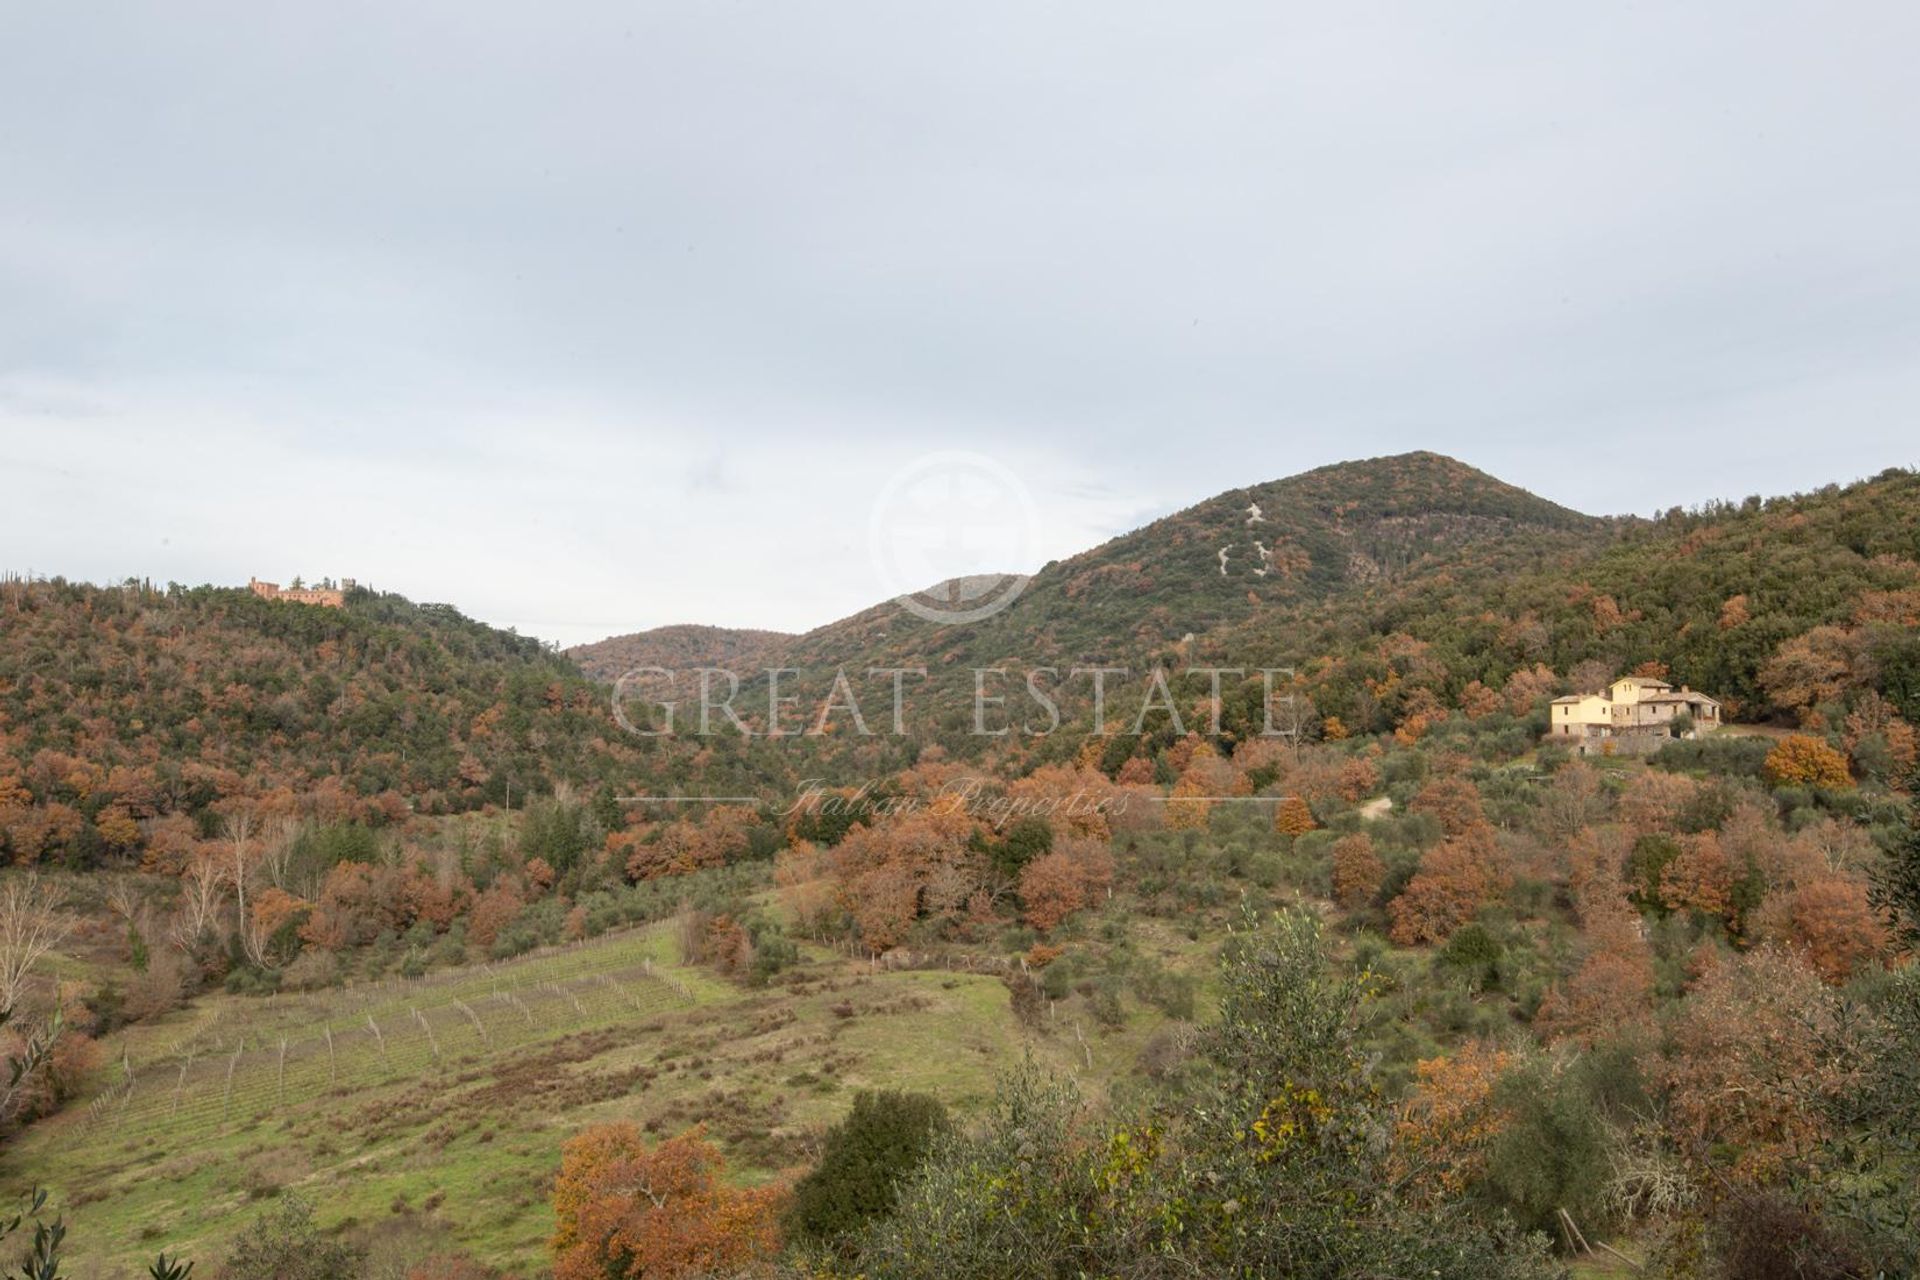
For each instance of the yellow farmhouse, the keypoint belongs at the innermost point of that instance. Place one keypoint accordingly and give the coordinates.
(1635, 711)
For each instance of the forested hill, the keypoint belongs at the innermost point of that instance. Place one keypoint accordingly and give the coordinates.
(1244, 554)
(122, 705)
(1780, 607)
(678, 648)
(1405, 588)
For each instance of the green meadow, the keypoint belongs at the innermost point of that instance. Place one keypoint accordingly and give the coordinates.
(436, 1108)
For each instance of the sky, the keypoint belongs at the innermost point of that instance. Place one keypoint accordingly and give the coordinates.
(593, 317)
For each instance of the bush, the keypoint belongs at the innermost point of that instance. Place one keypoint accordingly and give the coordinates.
(1733, 757)
(285, 1244)
(1763, 1236)
(1553, 1152)
(883, 1140)
(1475, 954)
(311, 971)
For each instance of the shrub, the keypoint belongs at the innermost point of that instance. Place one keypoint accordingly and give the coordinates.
(285, 1244)
(1764, 1236)
(1475, 954)
(1552, 1152)
(866, 1157)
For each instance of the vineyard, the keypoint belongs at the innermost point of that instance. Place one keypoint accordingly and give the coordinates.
(223, 1070)
(439, 1104)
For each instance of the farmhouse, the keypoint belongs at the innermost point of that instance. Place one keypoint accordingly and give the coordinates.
(1636, 712)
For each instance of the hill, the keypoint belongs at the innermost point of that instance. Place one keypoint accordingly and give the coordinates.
(1401, 585)
(678, 648)
(123, 707)
(1776, 606)
(1285, 542)
(1538, 924)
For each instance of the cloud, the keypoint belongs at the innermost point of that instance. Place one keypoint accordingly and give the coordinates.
(614, 317)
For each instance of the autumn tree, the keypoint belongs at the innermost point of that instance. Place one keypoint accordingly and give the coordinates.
(1477, 701)
(272, 911)
(1359, 778)
(1813, 668)
(1611, 992)
(1293, 817)
(1527, 688)
(624, 1208)
(1597, 870)
(1451, 1119)
(800, 876)
(1357, 871)
(1456, 877)
(1830, 921)
(1058, 883)
(924, 864)
(1805, 760)
(1455, 802)
(1755, 1062)
(1881, 743)
(1700, 879)
(1195, 790)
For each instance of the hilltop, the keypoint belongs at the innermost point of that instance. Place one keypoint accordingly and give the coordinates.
(1287, 542)
(677, 648)
(120, 706)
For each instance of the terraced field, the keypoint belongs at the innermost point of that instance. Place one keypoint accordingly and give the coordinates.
(437, 1107)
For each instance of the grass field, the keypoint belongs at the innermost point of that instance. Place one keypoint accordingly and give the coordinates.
(438, 1106)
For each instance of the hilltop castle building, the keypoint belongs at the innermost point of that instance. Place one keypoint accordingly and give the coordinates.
(327, 596)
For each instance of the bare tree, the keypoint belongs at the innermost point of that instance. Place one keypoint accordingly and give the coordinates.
(123, 899)
(1292, 715)
(200, 897)
(276, 852)
(31, 925)
(239, 836)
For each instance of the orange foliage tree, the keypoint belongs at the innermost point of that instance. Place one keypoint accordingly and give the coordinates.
(1060, 882)
(1205, 777)
(1450, 1121)
(1807, 670)
(918, 864)
(1455, 802)
(1803, 759)
(1357, 870)
(1829, 920)
(623, 1208)
(1700, 880)
(1293, 817)
(1478, 702)
(1455, 878)
(1754, 1063)
(1611, 992)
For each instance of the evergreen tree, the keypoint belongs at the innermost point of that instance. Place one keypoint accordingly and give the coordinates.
(867, 1155)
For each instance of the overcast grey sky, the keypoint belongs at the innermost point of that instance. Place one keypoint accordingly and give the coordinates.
(594, 317)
